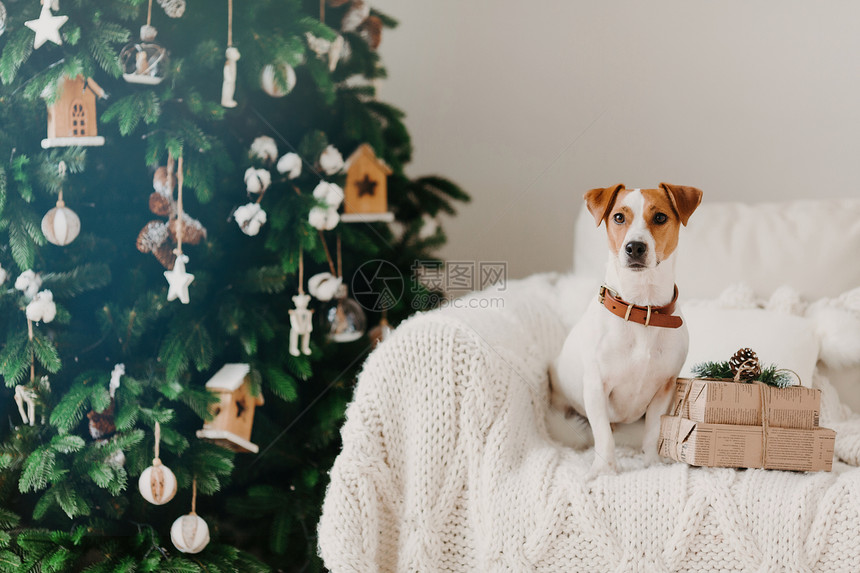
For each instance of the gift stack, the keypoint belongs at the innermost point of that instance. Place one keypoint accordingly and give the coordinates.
(739, 423)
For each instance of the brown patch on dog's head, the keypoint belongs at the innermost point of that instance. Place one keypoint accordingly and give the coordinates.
(600, 201)
(662, 221)
(684, 200)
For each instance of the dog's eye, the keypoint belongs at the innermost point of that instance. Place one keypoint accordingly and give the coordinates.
(618, 218)
(660, 218)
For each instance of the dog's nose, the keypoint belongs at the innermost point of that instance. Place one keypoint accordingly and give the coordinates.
(636, 249)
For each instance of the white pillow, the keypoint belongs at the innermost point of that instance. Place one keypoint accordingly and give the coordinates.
(783, 340)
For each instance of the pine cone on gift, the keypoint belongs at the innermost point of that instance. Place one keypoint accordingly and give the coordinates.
(746, 361)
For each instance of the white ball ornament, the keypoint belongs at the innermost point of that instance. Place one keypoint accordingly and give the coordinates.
(269, 83)
(61, 225)
(189, 533)
(157, 483)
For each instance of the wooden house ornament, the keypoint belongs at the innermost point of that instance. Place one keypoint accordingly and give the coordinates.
(234, 414)
(365, 195)
(72, 117)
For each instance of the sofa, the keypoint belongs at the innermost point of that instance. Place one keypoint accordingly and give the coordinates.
(449, 464)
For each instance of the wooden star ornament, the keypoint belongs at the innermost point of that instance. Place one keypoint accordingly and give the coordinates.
(47, 26)
(178, 280)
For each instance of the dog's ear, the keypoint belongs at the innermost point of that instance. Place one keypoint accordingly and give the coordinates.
(599, 201)
(684, 200)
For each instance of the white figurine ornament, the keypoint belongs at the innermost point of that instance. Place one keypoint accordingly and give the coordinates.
(228, 88)
(26, 396)
(301, 325)
(290, 164)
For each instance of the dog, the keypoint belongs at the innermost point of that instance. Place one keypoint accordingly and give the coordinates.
(620, 361)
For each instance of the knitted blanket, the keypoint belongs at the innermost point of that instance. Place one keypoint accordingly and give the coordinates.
(447, 466)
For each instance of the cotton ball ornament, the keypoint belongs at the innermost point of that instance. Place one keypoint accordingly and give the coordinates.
(331, 161)
(257, 180)
(189, 533)
(324, 286)
(330, 193)
(265, 148)
(28, 283)
(42, 307)
(291, 165)
(323, 218)
(271, 86)
(250, 218)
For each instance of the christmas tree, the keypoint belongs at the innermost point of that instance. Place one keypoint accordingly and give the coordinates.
(213, 148)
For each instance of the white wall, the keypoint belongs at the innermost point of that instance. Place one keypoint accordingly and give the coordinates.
(527, 105)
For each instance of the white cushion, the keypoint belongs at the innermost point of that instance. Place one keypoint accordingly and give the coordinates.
(811, 245)
(777, 338)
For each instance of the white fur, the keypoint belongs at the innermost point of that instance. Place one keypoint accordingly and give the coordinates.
(613, 371)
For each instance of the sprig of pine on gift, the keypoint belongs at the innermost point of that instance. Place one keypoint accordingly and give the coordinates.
(744, 366)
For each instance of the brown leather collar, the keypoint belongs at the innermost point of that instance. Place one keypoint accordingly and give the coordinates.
(648, 315)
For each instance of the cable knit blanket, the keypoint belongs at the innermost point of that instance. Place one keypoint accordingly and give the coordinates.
(447, 466)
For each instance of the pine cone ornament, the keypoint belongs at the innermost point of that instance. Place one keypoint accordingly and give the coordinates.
(101, 423)
(152, 236)
(161, 203)
(371, 31)
(193, 230)
(745, 365)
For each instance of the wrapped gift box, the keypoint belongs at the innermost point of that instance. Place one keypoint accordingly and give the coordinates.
(730, 402)
(746, 446)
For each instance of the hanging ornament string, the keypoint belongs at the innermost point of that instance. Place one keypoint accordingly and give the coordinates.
(301, 271)
(32, 351)
(322, 11)
(327, 253)
(339, 258)
(229, 23)
(149, 15)
(156, 460)
(194, 496)
(180, 213)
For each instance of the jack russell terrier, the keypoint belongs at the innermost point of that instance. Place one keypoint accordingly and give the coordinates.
(620, 360)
